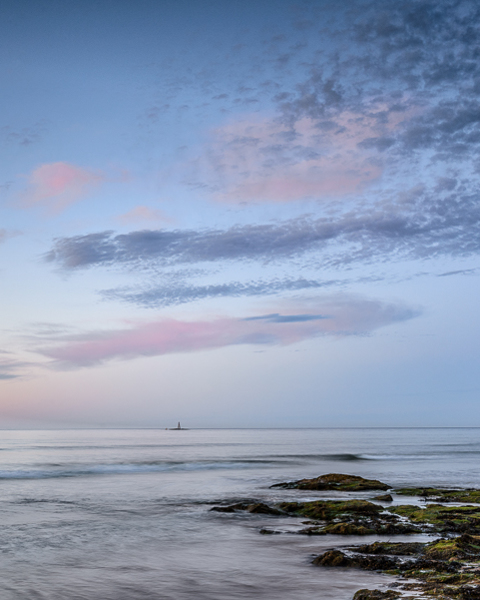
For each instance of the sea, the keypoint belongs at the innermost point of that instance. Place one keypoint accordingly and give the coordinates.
(124, 514)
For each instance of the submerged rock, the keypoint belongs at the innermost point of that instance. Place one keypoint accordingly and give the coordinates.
(326, 510)
(333, 558)
(336, 558)
(392, 548)
(375, 595)
(442, 495)
(256, 507)
(436, 517)
(384, 498)
(464, 547)
(335, 481)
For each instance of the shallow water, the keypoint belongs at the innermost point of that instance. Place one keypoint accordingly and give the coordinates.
(124, 514)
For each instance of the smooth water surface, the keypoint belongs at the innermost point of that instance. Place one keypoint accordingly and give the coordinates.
(124, 514)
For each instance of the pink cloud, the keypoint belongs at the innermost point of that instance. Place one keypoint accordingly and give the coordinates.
(57, 185)
(143, 213)
(264, 159)
(345, 316)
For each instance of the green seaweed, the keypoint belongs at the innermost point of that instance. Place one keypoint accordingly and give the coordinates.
(455, 519)
(335, 481)
(327, 510)
(442, 495)
(393, 548)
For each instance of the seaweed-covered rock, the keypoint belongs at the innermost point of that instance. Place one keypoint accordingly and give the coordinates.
(360, 527)
(436, 517)
(392, 548)
(335, 481)
(343, 528)
(375, 595)
(337, 558)
(326, 510)
(464, 547)
(256, 507)
(263, 509)
(442, 495)
(469, 592)
(384, 498)
(333, 558)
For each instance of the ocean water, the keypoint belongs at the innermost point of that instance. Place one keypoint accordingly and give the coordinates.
(124, 514)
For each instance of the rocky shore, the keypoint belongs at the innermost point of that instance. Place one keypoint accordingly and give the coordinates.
(447, 567)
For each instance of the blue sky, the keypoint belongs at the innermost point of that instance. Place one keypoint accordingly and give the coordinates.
(239, 213)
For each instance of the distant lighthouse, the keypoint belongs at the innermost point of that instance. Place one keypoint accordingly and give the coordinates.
(178, 428)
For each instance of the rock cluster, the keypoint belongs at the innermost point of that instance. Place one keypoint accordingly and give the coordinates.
(447, 568)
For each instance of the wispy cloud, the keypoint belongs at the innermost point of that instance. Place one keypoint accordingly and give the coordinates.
(254, 159)
(12, 368)
(143, 214)
(172, 293)
(24, 136)
(55, 186)
(278, 318)
(416, 224)
(337, 316)
(414, 62)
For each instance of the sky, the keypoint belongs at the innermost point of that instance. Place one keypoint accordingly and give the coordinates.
(253, 213)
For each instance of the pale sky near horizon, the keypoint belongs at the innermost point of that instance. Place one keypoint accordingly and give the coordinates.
(241, 213)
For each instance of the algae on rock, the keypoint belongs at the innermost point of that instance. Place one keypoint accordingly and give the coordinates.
(335, 481)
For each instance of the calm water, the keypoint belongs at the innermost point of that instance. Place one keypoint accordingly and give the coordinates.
(124, 514)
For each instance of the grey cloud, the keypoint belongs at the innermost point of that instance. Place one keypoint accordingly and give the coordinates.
(169, 295)
(458, 272)
(24, 136)
(10, 368)
(278, 318)
(419, 224)
(405, 53)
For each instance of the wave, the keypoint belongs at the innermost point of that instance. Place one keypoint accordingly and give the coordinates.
(59, 471)
(346, 456)
(351, 457)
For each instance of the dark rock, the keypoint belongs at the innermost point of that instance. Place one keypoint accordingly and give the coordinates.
(333, 558)
(470, 592)
(392, 548)
(438, 566)
(336, 558)
(256, 508)
(348, 529)
(326, 510)
(263, 509)
(224, 509)
(384, 498)
(375, 595)
(335, 481)
(442, 495)
(265, 531)
(464, 547)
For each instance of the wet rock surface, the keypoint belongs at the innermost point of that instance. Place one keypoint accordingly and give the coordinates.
(440, 518)
(335, 481)
(376, 595)
(255, 507)
(439, 495)
(384, 498)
